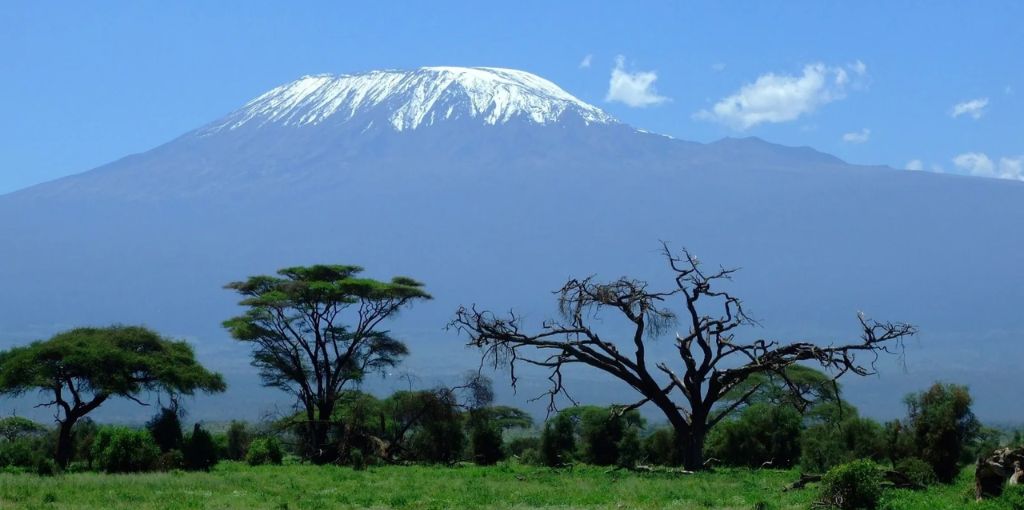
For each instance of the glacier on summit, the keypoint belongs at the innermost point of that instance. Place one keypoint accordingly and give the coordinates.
(410, 99)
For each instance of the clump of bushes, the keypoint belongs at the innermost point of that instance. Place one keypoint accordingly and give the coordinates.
(852, 486)
(763, 434)
(917, 471)
(124, 450)
(199, 450)
(267, 450)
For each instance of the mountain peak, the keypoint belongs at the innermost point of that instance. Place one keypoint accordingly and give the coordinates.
(410, 99)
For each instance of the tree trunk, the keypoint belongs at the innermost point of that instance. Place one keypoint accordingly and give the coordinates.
(322, 452)
(691, 446)
(65, 443)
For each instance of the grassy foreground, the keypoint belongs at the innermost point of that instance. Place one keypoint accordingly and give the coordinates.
(237, 486)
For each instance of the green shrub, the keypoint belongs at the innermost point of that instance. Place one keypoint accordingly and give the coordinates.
(358, 460)
(828, 445)
(45, 466)
(238, 438)
(267, 450)
(23, 453)
(199, 450)
(943, 426)
(520, 445)
(165, 427)
(660, 447)
(558, 441)
(485, 441)
(630, 452)
(601, 431)
(124, 450)
(852, 486)
(917, 470)
(170, 460)
(762, 434)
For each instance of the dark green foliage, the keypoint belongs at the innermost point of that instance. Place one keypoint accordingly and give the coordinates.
(827, 445)
(762, 435)
(357, 460)
(82, 368)
(630, 451)
(296, 325)
(165, 427)
(943, 426)
(660, 447)
(917, 470)
(525, 446)
(13, 428)
(199, 450)
(802, 388)
(984, 443)
(264, 450)
(83, 437)
(170, 460)
(238, 439)
(899, 440)
(124, 450)
(601, 429)
(22, 453)
(507, 418)
(439, 437)
(484, 438)
(558, 441)
(45, 466)
(852, 486)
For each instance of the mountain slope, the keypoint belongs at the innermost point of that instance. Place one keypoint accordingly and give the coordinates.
(498, 209)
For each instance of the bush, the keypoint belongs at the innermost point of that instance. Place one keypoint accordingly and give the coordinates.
(943, 426)
(826, 446)
(165, 427)
(199, 450)
(170, 460)
(917, 470)
(238, 438)
(23, 453)
(485, 441)
(45, 466)
(124, 450)
(601, 430)
(267, 450)
(763, 434)
(852, 486)
(630, 452)
(660, 447)
(558, 441)
(520, 445)
(358, 460)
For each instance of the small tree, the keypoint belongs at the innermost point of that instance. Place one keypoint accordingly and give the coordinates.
(83, 368)
(711, 363)
(302, 344)
(13, 428)
(558, 441)
(165, 427)
(943, 426)
(199, 450)
(238, 439)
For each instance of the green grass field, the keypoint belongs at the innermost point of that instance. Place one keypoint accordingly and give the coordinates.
(238, 486)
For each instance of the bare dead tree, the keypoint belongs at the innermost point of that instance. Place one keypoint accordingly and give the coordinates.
(711, 360)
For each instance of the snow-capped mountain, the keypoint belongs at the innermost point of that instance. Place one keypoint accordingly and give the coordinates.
(493, 186)
(409, 99)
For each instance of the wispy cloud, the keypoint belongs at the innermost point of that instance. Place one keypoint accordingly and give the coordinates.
(974, 108)
(718, 67)
(587, 60)
(914, 164)
(633, 89)
(978, 163)
(857, 136)
(778, 98)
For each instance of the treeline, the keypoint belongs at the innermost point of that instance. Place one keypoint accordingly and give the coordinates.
(446, 426)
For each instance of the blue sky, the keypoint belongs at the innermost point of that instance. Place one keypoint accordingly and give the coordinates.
(84, 84)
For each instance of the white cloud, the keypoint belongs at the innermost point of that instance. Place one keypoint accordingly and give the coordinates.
(587, 60)
(857, 136)
(783, 98)
(634, 89)
(914, 164)
(975, 108)
(978, 163)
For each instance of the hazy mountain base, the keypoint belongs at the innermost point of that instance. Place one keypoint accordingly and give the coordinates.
(237, 486)
(501, 216)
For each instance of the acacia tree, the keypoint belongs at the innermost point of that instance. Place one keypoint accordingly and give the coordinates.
(81, 369)
(711, 362)
(302, 344)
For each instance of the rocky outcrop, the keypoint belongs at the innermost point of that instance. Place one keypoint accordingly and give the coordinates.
(995, 471)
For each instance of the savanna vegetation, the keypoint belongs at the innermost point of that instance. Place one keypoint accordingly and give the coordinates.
(731, 423)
